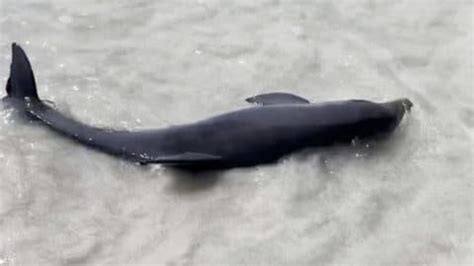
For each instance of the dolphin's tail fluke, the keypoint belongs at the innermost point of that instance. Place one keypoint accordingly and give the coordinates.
(22, 96)
(21, 83)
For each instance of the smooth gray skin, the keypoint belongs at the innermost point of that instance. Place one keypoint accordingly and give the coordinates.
(255, 135)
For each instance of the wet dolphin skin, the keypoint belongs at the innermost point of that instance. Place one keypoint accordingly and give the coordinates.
(277, 124)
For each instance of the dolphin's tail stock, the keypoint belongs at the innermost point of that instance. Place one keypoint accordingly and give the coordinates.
(22, 96)
(21, 84)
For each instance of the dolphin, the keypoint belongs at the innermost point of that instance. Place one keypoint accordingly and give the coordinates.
(275, 125)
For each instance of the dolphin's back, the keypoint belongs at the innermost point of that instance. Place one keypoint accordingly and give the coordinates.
(266, 133)
(243, 137)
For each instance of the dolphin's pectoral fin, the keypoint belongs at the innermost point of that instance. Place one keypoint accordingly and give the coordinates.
(277, 98)
(181, 158)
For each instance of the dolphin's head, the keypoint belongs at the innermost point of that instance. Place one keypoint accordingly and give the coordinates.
(397, 109)
(378, 118)
(399, 106)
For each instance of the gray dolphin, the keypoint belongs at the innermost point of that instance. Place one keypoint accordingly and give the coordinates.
(279, 123)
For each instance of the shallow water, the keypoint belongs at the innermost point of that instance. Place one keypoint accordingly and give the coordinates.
(141, 64)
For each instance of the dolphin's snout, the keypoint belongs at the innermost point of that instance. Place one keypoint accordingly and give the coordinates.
(407, 104)
(398, 108)
(400, 105)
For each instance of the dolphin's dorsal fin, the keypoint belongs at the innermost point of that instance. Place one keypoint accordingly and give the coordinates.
(277, 98)
(180, 158)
